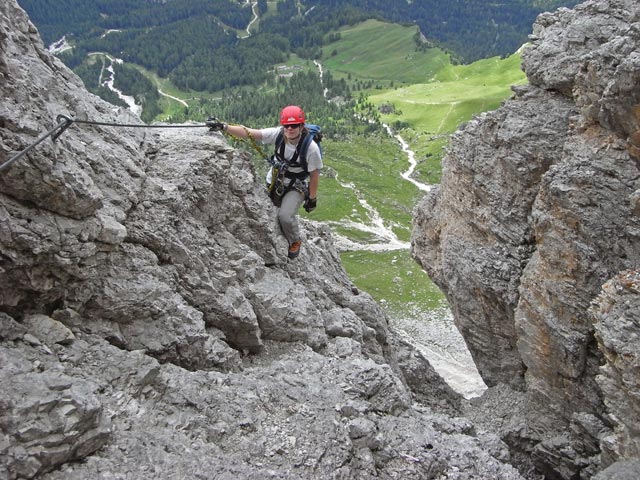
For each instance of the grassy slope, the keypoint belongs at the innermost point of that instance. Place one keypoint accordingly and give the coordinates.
(380, 51)
(372, 165)
(454, 95)
(433, 97)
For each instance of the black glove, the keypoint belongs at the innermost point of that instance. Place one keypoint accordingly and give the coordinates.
(310, 204)
(215, 125)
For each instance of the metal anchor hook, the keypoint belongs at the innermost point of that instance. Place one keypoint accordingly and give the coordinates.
(64, 122)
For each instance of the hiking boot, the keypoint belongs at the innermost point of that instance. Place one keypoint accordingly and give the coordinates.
(294, 249)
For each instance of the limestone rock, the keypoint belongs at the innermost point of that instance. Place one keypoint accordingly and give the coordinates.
(617, 312)
(535, 212)
(48, 330)
(47, 418)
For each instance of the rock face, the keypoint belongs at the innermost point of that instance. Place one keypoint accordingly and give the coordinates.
(151, 326)
(538, 207)
(617, 313)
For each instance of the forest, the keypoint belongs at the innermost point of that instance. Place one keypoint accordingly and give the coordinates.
(471, 29)
(81, 18)
(249, 107)
(203, 46)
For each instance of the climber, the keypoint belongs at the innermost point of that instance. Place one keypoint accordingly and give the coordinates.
(295, 173)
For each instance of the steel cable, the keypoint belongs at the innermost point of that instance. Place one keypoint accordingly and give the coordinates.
(65, 122)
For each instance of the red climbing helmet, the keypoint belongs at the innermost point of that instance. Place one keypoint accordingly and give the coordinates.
(291, 115)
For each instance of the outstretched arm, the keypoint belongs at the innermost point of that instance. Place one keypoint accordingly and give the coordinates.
(241, 131)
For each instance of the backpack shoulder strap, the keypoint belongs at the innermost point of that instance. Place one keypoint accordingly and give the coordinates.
(313, 133)
(304, 148)
(279, 140)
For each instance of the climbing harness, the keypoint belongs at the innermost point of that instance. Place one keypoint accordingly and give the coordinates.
(276, 188)
(282, 180)
(63, 122)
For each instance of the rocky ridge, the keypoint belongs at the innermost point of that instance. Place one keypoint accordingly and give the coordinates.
(538, 208)
(151, 326)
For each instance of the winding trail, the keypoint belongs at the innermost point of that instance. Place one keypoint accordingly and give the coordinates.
(254, 9)
(445, 117)
(59, 46)
(173, 98)
(129, 100)
(386, 241)
(412, 161)
(325, 91)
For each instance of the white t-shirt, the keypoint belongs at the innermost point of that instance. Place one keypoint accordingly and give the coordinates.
(314, 158)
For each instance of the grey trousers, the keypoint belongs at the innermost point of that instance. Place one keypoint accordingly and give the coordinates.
(287, 215)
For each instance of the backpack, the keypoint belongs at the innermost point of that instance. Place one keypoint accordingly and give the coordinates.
(314, 134)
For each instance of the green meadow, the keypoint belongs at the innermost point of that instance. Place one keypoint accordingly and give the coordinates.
(428, 97)
(366, 168)
(383, 52)
(453, 96)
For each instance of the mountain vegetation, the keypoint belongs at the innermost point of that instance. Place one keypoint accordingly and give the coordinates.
(195, 45)
(468, 29)
(82, 19)
(152, 326)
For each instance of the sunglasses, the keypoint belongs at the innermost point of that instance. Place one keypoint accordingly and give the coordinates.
(297, 125)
